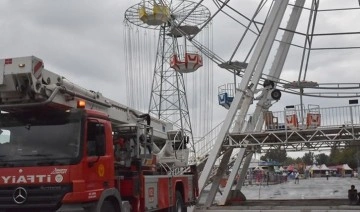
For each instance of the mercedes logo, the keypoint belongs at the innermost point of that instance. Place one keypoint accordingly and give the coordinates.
(20, 195)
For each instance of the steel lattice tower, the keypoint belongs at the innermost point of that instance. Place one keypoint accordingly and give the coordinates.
(168, 99)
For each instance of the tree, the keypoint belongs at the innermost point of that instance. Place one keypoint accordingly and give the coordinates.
(335, 154)
(298, 160)
(347, 155)
(308, 158)
(289, 161)
(275, 155)
(322, 158)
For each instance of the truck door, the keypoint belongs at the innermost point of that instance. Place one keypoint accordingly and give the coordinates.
(98, 169)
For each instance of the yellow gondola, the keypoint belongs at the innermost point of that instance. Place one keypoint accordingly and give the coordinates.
(159, 14)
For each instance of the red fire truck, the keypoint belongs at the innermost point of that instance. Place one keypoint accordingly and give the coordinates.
(65, 148)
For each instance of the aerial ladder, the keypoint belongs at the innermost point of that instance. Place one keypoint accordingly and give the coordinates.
(29, 84)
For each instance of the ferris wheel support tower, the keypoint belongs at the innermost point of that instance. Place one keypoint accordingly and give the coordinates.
(168, 99)
(243, 98)
(264, 102)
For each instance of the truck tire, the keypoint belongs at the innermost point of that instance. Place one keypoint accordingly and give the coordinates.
(179, 204)
(107, 206)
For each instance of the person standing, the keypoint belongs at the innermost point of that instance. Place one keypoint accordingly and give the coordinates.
(297, 177)
(327, 175)
(352, 195)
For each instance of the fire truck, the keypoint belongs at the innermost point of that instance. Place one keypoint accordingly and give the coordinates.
(66, 148)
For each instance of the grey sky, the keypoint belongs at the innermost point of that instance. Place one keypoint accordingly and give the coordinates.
(81, 40)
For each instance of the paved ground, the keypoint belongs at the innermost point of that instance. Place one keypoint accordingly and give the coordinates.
(315, 194)
(312, 188)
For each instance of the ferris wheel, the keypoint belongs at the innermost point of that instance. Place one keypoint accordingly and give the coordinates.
(175, 58)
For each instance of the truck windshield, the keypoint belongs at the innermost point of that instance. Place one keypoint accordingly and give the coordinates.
(38, 136)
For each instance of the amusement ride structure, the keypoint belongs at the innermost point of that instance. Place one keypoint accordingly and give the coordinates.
(280, 50)
(175, 58)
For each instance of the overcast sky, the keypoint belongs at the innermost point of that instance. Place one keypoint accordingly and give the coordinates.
(83, 41)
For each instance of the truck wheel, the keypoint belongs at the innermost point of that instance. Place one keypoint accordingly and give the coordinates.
(107, 206)
(179, 204)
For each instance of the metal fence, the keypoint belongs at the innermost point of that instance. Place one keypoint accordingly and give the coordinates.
(293, 117)
(296, 117)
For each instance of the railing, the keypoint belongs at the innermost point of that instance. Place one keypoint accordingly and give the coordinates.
(281, 120)
(260, 178)
(229, 89)
(204, 145)
(300, 118)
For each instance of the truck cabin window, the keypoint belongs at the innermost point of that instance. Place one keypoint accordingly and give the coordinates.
(95, 139)
(40, 135)
(4, 136)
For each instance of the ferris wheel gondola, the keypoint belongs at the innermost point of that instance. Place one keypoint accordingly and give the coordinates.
(190, 63)
(153, 13)
(185, 61)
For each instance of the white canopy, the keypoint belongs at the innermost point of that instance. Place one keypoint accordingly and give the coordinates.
(314, 167)
(346, 167)
(258, 168)
(324, 167)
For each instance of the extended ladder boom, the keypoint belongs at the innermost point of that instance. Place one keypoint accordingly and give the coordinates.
(25, 83)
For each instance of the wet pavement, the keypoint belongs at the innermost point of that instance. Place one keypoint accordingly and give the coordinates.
(311, 188)
(313, 194)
